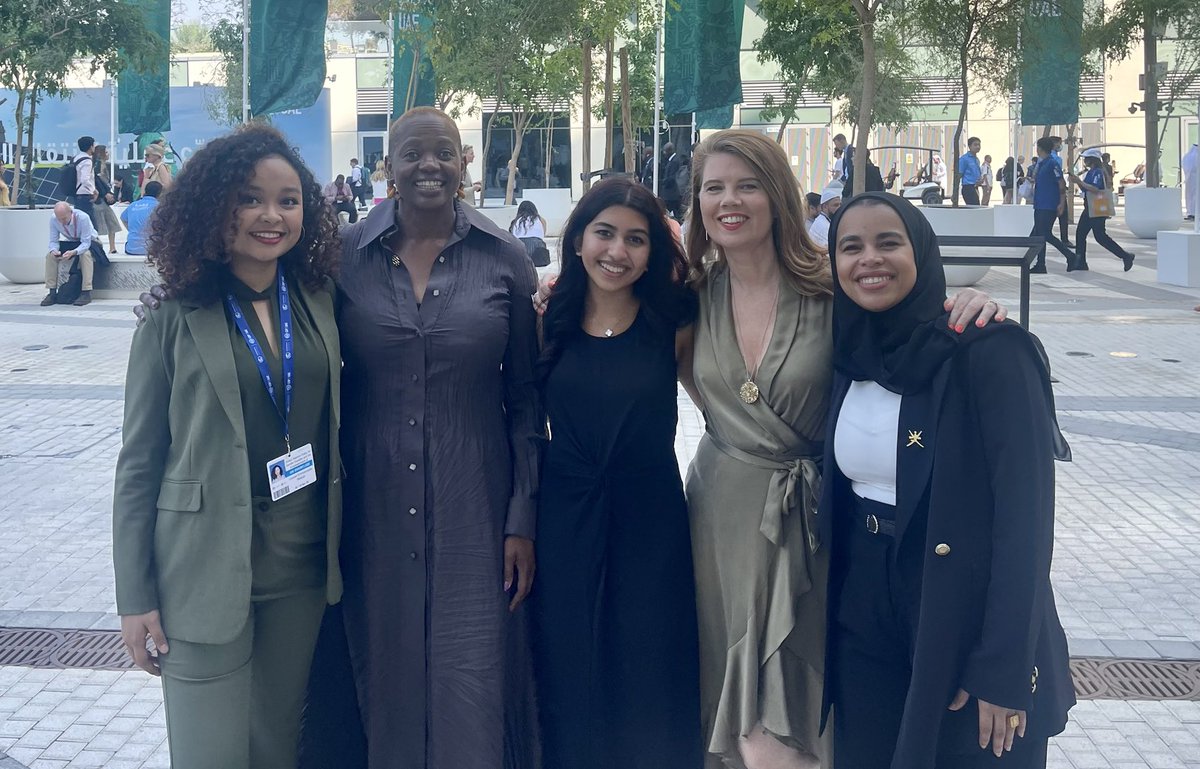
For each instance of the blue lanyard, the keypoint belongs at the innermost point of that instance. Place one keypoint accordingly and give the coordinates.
(289, 365)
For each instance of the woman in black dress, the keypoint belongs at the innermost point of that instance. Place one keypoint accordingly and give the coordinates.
(615, 637)
(945, 649)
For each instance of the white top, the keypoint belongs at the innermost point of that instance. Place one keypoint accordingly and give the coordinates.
(533, 229)
(85, 177)
(819, 230)
(864, 445)
(985, 174)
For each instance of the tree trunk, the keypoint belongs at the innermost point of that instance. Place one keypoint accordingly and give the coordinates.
(1150, 46)
(867, 104)
(585, 145)
(487, 146)
(631, 157)
(783, 124)
(1069, 162)
(520, 126)
(549, 147)
(33, 100)
(20, 146)
(608, 103)
(956, 176)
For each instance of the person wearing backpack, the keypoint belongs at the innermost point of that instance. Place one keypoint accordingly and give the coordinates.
(79, 180)
(71, 236)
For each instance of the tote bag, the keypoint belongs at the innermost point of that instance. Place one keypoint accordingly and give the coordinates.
(1101, 205)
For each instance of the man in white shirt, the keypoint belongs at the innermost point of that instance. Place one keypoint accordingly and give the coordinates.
(85, 177)
(985, 180)
(1191, 185)
(831, 201)
(71, 235)
(356, 183)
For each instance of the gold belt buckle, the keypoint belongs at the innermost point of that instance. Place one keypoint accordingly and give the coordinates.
(872, 523)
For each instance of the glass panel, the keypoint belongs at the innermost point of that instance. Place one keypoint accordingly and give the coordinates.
(179, 74)
(545, 159)
(373, 73)
(372, 154)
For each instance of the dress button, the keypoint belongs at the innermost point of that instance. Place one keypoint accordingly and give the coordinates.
(412, 511)
(436, 292)
(414, 467)
(412, 422)
(414, 377)
(441, 258)
(942, 549)
(264, 506)
(412, 556)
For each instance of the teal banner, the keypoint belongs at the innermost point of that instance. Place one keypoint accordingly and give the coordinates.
(702, 55)
(143, 88)
(287, 54)
(1051, 64)
(413, 83)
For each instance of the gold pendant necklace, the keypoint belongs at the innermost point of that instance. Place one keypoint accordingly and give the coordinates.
(749, 392)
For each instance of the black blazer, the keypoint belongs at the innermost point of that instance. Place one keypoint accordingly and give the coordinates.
(975, 528)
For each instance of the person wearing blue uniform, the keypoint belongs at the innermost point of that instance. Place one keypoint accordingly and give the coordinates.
(970, 173)
(1094, 184)
(1049, 202)
(137, 219)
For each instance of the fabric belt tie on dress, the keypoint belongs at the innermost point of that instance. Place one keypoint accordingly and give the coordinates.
(796, 483)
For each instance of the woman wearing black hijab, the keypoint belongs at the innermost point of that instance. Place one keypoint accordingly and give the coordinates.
(945, 649)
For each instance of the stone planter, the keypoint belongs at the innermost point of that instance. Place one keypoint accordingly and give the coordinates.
(1150, 210)
(965, 220)
(554, 205)
(1013, 221)
(1179, 258)
(24, 234)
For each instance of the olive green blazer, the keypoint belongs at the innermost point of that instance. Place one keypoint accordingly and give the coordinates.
(181, 500)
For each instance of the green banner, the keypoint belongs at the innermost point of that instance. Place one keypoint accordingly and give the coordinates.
(287, 54)
(1050, 71)
(413, 83)
(702, 55)
(143, 90)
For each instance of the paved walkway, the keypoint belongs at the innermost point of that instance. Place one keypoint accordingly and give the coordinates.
(1125, 351)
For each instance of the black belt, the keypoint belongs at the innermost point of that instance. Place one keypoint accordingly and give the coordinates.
(878, 517)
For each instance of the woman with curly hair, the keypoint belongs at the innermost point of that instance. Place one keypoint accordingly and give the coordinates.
(224, 567)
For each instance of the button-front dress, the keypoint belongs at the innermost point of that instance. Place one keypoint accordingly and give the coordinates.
(440, 436)
(751, 491)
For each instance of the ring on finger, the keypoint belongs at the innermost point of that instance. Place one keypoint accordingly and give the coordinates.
(1014, 721)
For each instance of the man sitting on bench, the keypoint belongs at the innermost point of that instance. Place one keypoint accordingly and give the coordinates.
(71, 235)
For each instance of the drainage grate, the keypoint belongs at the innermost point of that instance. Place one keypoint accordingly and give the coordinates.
(1124, 679)
(1096, 678)
(48, 648)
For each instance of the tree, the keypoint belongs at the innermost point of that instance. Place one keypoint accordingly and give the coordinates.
(225, 105)
(869, 13)
(191, 37)
(52, 36)
(977, 40)
(1116, 32)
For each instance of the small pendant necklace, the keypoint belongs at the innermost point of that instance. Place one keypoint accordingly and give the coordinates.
(749, 392)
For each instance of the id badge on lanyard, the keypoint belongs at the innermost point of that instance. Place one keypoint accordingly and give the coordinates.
(295, 469)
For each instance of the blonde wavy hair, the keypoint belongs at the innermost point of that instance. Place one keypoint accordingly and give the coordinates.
(804, 263)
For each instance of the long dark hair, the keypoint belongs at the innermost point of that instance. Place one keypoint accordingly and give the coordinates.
(527, 214)
(187, 240)
(666, 300)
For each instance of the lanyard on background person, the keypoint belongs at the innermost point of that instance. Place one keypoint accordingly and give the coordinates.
(288, 364)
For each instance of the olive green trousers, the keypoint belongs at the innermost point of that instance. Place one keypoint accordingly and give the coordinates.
(238, 705)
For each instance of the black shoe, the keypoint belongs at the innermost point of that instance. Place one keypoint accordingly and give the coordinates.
(51, 298)
(1128, 260)
(85, 297)
(1038, 269)
(1189, 218)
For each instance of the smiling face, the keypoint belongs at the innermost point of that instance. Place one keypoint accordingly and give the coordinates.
(426, 161)
(875, 263)
(269, 216)
(734, 206)
(615, 249)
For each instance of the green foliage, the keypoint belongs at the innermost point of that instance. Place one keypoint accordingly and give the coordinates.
(42, 40)
(191, 37)
(818, 48)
